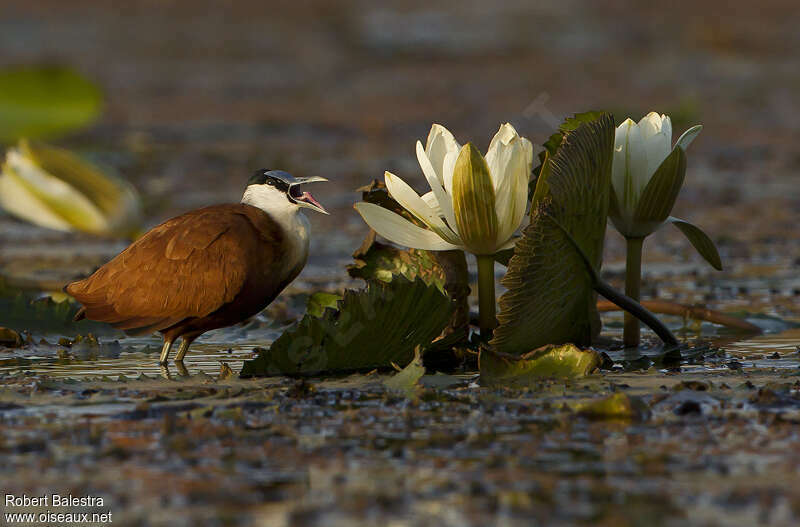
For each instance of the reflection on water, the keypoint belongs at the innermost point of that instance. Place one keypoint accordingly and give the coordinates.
(766, 351)
(140, 356)
(204, 357)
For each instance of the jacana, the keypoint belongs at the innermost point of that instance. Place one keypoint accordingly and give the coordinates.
(206, 269)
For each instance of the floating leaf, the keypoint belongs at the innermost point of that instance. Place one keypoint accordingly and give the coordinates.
(550, 297)
(618, 406)
(564, 361)
(45, 101)
(700, 241)
(54, 188)
(373, 328)
(406, 381)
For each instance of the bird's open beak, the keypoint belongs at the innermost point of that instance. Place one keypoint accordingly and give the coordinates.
(303, 198)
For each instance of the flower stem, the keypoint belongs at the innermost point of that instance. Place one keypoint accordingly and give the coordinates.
(486, 299)
(633, 283)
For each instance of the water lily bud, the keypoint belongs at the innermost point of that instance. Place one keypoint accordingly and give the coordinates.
(53, 188)
(647, 173)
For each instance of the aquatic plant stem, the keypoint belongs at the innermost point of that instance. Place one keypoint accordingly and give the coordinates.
(486, 298)
(632, 306)
(633, 284)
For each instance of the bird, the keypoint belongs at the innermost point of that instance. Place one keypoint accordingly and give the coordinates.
(206, 269)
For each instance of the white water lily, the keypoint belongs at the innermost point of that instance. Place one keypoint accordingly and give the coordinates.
(475, 203)
(53, 188)
(646, 177)
(640, 150)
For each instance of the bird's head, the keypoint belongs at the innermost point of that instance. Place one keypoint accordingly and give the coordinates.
(268, 189)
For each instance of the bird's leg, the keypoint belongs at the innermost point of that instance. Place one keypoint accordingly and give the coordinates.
(182, 371)
(186, 341)
(165, 350)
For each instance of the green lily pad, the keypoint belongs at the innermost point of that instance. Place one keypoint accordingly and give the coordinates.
(565, 361)
(551, 297)
(45, 101)
(372, 328)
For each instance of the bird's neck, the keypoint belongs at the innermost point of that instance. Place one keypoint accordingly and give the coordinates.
(288, 216)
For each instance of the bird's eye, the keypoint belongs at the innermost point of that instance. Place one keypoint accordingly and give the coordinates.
(270, 183)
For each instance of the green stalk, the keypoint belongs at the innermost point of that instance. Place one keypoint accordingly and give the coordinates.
(486, 299)
(633, 285)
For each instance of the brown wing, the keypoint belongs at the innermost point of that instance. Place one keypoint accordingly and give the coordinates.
(188, 266)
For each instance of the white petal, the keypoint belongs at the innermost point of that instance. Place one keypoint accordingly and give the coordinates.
(430, 200)
(666, 127)
(688, 136)
(498, 154)
(443, 198)
(657, 148)
(440, 143)
(630, 171)
(410, 200)
(656, 131)
(19, 202)
(397, 229)
(61, 199)
(513, 161)
(447, 168)
(650, 125)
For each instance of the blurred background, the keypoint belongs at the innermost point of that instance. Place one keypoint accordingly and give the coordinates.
(197, 96)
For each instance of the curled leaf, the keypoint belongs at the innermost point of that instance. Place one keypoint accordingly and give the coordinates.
(564, 361)
(406, 381)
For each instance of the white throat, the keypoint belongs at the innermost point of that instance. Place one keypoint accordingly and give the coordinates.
(286, 214)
